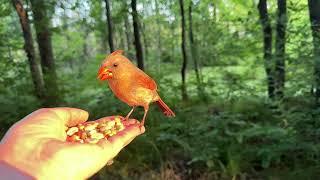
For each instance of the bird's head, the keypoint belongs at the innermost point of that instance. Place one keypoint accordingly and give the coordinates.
(114, 66)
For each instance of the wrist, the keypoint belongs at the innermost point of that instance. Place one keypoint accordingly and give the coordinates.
(9, 172)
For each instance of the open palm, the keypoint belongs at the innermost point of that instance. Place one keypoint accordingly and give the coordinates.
(37, 145)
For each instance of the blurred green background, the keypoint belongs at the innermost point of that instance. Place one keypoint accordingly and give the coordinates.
(248, 108)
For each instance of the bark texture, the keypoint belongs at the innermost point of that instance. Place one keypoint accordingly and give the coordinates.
(136, 29)
(184, 52)
(30, 50)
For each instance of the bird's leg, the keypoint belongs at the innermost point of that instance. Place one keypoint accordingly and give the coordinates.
(127, 117)
(144, 115)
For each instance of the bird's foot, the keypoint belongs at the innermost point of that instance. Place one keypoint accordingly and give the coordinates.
(141, 127)
(142, 123)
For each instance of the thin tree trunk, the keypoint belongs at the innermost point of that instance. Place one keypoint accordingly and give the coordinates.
(214, 12)
(267, 43)
(143, 30)
(127, 31)
(122, 36)
(10, 58)
(137, 42)
(86, 51)
(194, 53)
(65, 28)
(184, 53)
(104, 40)
(172, 30)
(144, 39)
(314, 11)
(173, 36)
(42, 25)
(280, 49)
(110, 28)
(159, 47)
(30, 50)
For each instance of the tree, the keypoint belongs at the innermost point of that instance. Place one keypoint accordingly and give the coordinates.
(267, 43)
(127, 30)
(42, 26)
(184, 53)
(30, 50)
(145, 41)
(110, 28)
(280, 48)
(96, 12)
(194, 52)
(144, 34)
(314, 6)
(159, 46)
(136, 30)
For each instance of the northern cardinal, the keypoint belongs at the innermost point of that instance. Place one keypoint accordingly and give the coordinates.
(130, 84)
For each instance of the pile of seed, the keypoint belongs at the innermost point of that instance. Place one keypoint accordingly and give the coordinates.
(92, 132)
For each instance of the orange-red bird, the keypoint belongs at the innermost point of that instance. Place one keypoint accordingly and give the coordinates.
(130, 84)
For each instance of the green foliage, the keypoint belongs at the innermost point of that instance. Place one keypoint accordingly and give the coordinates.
(236, 132)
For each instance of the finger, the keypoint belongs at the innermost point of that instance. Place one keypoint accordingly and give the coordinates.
(120, 140)
(123, 138)
(70, 116)
(92, 157)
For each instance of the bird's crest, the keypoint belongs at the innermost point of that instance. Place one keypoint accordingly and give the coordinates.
(116, 52)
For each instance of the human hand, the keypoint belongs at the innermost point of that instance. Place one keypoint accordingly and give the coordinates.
(37, 145)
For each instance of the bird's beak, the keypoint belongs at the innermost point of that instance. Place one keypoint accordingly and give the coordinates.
(104, 73)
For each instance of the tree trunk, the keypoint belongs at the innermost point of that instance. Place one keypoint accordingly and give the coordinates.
(127, 31)
(30, 50)
(42, 25)
(144, 39)
(214, 12)
(86, 50)
(172, 32)
(314, 6)
(110, 29)
(267, 43)
(122, 35)
(137, 42)
(194, 53)
(143, 29)
(65, 28)
(159, 47)
(184, 53)
(280, 49)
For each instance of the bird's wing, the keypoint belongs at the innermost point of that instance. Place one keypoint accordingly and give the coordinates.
(145, 81)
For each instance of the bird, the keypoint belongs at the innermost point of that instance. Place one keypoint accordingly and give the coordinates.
(130, 84)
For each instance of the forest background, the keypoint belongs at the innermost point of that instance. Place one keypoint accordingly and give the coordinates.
(243, 78)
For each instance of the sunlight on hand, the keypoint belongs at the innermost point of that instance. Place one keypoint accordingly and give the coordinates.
(37, 145)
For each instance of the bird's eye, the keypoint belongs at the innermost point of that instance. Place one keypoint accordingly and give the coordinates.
(115, 65)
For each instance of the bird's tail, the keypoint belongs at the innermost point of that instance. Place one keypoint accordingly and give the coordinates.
(165, 108)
